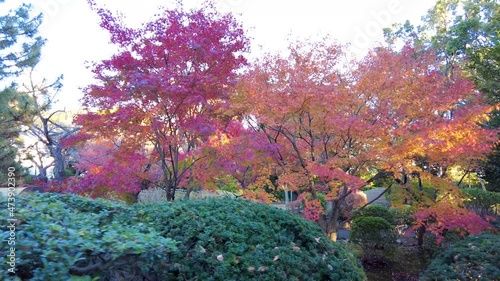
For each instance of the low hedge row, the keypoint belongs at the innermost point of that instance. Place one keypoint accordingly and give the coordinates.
(66, 237)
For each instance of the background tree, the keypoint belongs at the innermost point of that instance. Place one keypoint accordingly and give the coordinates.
(19, 49)
(105, 170)
(464, 34)
(48, 126)
(161, 94)
(239, 156)
(330, 124)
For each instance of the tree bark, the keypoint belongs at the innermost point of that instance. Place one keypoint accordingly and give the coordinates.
(420, 236)
(57, 152)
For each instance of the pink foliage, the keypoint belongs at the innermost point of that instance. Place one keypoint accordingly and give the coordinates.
(442, 219)
(160, 97)
(103, 167)
(312, 209)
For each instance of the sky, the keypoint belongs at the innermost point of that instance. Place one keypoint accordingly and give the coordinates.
(74, 38)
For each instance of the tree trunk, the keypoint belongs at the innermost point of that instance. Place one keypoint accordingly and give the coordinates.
(188, 192)
(329, 221)
(56, 152)
(483, 186)
(420, 236)
(333, 219)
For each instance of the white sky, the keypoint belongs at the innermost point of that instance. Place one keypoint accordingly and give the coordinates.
(74, 36)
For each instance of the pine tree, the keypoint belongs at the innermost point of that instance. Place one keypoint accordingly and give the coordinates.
(20, 48)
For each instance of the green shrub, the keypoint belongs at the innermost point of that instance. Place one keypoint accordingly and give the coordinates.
(62, 236)
(378, 211)
(475, 258)
(235, 239)
(57, 236)
(375, 236)
(484, 203)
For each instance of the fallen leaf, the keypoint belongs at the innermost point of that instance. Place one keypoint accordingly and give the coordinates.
(202, 250)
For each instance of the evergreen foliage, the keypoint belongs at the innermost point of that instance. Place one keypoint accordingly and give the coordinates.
(376, 210)
(475, 258)
(19, 49)
(65, 237)
(375, 236)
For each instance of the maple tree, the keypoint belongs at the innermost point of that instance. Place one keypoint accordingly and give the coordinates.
(463, 32)
(95, 177)
(332, 121)
(161, 95)
(437, 207)
(243, 156)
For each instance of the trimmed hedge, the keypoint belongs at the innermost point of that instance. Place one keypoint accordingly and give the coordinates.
(233, 239)
(475, 258)
(375, 236)
(60, 237)
(376, 210)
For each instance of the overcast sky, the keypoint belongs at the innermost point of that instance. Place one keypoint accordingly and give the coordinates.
(74, 36)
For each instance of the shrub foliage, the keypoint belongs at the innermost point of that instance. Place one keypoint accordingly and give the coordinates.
(376, 210)
(475, 258)
(61, 237)
(226, 239)
(374, 234)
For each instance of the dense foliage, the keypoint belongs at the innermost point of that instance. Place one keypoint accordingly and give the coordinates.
(328, 126)
(156, 103)
(19, 50)
(464, 33)
(475, 258)
(483, 203)
(222, 239)
(58, 236)
(374, 234)
(376, 210)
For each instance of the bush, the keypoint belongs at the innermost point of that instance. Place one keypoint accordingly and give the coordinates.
(223, 239)
(215, 239)
(58, 237)
(375, 236)
(378, 211)
(475, 258)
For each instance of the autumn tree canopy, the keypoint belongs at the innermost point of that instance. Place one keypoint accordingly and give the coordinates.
(173, 108)
(334, 122)
(465, 33)
(161, 95)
